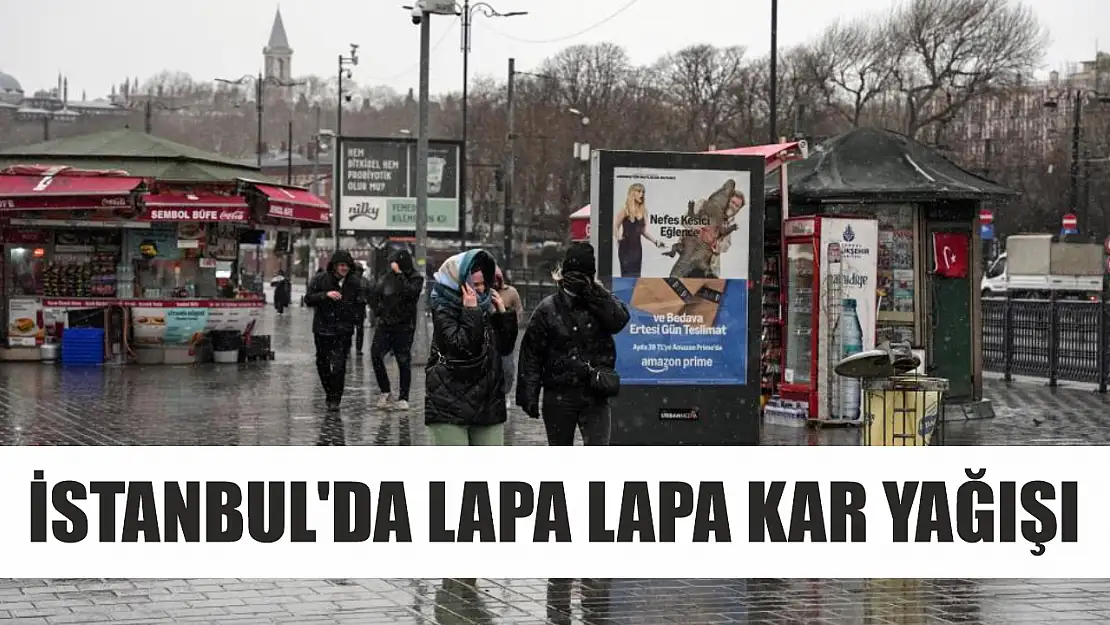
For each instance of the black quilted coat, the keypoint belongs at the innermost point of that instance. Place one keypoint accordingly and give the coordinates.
(565, 331)
(465, 379)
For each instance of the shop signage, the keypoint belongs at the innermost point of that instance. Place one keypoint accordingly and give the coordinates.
(100, 302)
(798, 228)
(378, 192)
(197, 214)
(16, 236)
(24, 322)
(299, 213)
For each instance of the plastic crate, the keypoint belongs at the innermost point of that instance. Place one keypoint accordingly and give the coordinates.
(83, 346)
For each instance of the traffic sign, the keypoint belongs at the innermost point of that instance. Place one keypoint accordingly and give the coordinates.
(986, 231)
(986, 216)
(1070, 222)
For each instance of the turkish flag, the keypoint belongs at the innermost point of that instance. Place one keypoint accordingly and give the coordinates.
(951, 252)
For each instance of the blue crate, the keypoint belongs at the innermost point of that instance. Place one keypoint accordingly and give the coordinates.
(83, 346)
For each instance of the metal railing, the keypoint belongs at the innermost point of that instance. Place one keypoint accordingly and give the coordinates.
(1055, 339)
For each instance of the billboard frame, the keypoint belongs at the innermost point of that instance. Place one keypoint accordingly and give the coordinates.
(340, 179)
(676, 414)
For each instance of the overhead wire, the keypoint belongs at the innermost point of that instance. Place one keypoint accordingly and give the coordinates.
(414, 67)
(560, 39)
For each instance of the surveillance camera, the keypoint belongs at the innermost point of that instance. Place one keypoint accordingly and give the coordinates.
(348, 76)
(417, 14)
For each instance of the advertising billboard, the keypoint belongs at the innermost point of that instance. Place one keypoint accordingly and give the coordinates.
(680, 236)
(378, 186)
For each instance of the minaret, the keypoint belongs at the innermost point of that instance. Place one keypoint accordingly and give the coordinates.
(277, 55)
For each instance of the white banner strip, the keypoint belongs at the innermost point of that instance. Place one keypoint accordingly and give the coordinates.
(516, 512)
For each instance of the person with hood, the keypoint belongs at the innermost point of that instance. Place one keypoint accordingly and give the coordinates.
(335, 295)
(282, 292)
(569, 353)
(393, 302)
(464, 402)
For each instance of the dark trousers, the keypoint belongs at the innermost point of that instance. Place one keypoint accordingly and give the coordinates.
(331, 363)
(563, 415)
(360, 337)
(398, 341)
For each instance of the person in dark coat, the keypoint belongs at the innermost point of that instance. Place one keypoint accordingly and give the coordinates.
(283, 292)
(464, 402)
(571, 331)
(335, 295)
(393, 300)
(363, 299)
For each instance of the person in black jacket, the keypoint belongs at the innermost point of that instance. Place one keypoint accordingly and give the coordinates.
(336, 295)
(393, 301)
(570, 332)
(363, 299)
(464, 402)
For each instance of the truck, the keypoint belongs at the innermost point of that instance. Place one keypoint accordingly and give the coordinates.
(1038, 265)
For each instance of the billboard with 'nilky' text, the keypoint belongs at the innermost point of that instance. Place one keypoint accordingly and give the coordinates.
(378, 186)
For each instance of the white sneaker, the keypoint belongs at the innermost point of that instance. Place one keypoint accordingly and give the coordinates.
(385, 400)
(401, 405)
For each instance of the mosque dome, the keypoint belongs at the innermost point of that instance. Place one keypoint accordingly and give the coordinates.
(10, 89)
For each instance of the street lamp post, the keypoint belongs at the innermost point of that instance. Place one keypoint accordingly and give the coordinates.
(148, 112)
(337, 156)
(467, 11)
(1078, 97)
(774, 95)
(259, 104)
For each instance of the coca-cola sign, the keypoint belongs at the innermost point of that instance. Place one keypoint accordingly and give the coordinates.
(197, 214)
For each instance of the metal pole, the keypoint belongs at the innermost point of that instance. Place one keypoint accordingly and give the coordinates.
(420, 354)
(148, 117)
(1104, 346)
(774, 95)
(337, 154)
(510, 171)
(463, 194)
(289, 156)
(1073, 189)
(315, 188)
(259, 108)
(46, 127)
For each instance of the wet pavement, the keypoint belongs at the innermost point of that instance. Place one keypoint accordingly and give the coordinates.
(279, 403)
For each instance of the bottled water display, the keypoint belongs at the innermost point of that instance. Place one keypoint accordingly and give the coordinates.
(851, 341)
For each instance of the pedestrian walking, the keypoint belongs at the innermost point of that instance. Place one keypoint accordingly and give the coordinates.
(511, 298)
(334, 294)
(568, 352)
(393, 299)
(359, 272)
(464, 402)
(283, 291)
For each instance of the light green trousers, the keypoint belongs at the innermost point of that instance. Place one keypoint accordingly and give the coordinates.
(444, 434)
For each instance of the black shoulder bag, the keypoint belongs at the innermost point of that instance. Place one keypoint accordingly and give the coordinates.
(603, 381)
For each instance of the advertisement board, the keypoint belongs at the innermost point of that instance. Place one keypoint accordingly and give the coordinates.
(378, 186)
(679, 239)
(680, 263)
(848, 309)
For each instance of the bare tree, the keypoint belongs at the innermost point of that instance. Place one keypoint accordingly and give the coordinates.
(952, 51)
(851, 64)
(698, 85)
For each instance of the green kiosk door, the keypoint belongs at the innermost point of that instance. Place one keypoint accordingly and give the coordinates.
(949, 314)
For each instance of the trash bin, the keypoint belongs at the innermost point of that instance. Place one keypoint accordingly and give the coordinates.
(900, 409)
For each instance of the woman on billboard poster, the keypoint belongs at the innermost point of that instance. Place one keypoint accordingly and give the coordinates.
(629, 225)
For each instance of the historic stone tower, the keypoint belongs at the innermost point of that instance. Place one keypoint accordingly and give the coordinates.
(277, 54)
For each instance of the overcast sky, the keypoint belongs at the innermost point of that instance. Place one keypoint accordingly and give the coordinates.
(99, 43)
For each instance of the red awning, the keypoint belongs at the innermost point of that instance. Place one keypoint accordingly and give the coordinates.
(209, 208)
(295, 204)
(62, 192)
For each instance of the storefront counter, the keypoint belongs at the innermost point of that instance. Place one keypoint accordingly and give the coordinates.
(153, 323)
